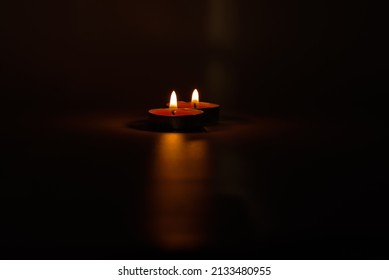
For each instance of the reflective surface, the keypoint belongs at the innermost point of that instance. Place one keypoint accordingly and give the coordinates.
(251, 187)
(179, 192)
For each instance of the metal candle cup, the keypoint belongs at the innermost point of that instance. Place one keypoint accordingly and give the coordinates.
(176, 119)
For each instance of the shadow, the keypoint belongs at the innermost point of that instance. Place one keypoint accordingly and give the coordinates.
(225, 121)
(144, 125)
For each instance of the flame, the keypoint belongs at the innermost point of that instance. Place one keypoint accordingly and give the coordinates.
(173, 101)
(195, 96)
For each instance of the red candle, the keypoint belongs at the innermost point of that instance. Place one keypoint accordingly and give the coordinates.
(176, 118)
(179, 112)
(211, 110)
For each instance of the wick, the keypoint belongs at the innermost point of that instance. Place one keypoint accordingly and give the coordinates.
(194, 105)
(173, 112)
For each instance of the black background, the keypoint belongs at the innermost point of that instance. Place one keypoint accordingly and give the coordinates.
(320, 66)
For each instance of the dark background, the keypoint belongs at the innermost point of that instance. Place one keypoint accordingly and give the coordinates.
(302, 88)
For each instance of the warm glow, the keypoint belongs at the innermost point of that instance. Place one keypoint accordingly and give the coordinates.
(173, 101)
(178, 197)
(195, 96)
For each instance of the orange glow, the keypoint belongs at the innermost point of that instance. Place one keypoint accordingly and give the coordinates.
(178, 196)
(173, 101)
(195, 96)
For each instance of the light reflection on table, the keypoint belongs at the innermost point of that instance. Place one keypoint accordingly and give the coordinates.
(179, 192)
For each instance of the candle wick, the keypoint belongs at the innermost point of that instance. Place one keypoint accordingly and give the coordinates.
(173, 112)
(194, 105)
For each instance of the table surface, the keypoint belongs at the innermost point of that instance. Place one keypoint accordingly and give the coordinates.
(103, 185)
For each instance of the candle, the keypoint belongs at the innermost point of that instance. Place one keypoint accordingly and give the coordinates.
(211, 110)
(176, 118)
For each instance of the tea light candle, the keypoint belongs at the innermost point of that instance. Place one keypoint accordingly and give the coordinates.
(211, 110)
(176, 118)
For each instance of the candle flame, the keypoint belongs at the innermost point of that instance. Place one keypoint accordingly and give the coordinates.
(173, 101)
(195, 96)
